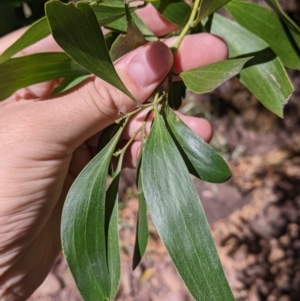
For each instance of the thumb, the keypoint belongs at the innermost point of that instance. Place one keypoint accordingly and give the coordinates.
(72, 118)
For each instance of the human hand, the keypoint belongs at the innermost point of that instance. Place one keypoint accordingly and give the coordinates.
(46, 142)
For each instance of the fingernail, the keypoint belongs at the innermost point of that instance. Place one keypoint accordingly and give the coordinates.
(150, 64)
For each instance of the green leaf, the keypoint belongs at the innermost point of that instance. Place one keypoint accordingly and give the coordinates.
(264, 75)
(110, 37)
(24, 71)
(107, 12)
(203, 161)
(141, 237)
(111, 234)
(141, 230)
(208, 7)
(288, 21)
(207, 78)
(129, 41)
(33, 34)
(77, 31)
(68, 83)
(292, 26)
(176, 94)
(106, 136)
(179, 218)
(176, 11)
(147, 33)
(269, 27)
(120, 25)
(86, 225)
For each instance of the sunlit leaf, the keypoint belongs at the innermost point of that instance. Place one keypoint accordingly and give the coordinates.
(264, 75)
(176, 11)
(129, 41)
(24, 71)
(85, 229)
(33, 34)
(203, 161)
(268, 26)
(179, 218)
(82, 39)
(207, 78)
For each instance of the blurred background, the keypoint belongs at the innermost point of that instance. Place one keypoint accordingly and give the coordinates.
(254, 217)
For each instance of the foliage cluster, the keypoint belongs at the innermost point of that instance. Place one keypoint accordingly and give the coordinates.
(262, 41)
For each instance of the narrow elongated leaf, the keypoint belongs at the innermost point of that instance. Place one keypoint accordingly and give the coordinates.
(292, 25)
(141, 237)
(68, 83)
(264, 75)
(207, 78)
(178, 216)
(176, 11)
(268, 26)
(24, 71)
(210, 6)
(84, 229)
(112, 237)
(77, 31)
(204, 162)
(296, 37)
(141, 230)
(129, 41)
(33, 34)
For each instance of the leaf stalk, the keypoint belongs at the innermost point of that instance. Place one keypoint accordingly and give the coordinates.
(122, 151)
(192, 22)
(130, 114)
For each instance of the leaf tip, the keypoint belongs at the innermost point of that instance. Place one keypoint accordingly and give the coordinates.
(281, 112)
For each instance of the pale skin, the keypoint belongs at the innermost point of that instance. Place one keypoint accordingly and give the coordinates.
(45, 142)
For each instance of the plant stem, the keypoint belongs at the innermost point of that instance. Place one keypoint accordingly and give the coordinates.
(128, 115)
(158, 98)
(122, 151)
(190, 23)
